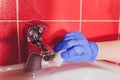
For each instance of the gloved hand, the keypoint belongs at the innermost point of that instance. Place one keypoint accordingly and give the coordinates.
(77, 48)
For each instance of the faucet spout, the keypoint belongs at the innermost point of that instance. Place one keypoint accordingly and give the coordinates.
(34, 62)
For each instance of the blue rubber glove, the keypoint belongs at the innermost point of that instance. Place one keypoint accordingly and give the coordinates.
(77, 48)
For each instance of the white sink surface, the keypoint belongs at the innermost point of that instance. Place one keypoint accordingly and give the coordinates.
(70, 71)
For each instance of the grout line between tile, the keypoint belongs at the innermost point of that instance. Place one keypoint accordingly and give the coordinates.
(100, 20)
(8, 20)
(80, 27)
(53, 20)
(61, 20)
(17, 23)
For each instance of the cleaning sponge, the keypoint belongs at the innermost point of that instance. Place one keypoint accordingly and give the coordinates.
(58, 60)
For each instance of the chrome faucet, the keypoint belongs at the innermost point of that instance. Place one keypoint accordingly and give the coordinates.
(33, 63)
(34, 60)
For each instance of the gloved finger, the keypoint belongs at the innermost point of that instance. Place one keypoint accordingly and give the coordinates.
(71, 37)
(68, 44)
(82, 58)
(86, 56)
(74, 35)
(73, 52)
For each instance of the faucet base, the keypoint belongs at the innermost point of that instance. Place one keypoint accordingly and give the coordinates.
(33, 63)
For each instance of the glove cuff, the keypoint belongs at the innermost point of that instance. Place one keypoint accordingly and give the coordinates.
(94, 48)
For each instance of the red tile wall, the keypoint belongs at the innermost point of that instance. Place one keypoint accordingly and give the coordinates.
(100, 31)
(100, 9)
(8, 43)
(98, 20)
(7, 9)
(49, 10)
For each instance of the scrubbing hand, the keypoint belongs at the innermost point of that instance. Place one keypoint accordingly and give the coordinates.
(77, 48)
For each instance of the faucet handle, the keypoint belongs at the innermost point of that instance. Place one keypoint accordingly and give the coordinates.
(34, 35)
(35, 32)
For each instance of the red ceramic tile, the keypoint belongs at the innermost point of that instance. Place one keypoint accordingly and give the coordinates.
(49, 10)
(119, 31)
(101, 9)
(8, 43)
(23, 43)
(8, 9)
(100, 31)
(52, 35)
